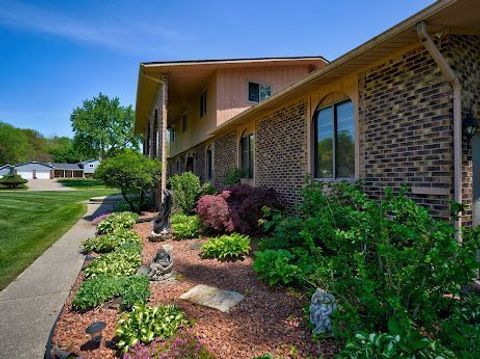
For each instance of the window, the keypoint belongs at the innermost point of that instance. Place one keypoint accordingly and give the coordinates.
(334, 146)
(91, 165)
(247, 148)
(184, 122)
(203, 103)
(172, 134)
(258, 92)
(209, 163)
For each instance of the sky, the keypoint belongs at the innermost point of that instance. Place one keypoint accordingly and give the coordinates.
(55, 54)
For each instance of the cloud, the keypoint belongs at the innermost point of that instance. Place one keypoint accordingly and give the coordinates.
(131, 37)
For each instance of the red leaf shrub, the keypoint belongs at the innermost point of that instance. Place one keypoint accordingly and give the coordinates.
(237, 208)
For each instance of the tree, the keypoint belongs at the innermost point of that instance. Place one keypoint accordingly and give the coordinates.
(62, 149)
(102, 125)
(13, 144)
(37, 146)
(131, 172)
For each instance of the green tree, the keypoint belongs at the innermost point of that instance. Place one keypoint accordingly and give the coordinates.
(13, 144)
(134, 174)
(101, 125)
(37, 149)
(62, 149)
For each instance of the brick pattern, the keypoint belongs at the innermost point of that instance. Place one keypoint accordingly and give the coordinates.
(281, 151)
(198, 153)
(225, 157)
(406, 128)
(464, 56)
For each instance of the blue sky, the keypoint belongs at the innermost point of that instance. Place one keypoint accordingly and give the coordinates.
(54, 54)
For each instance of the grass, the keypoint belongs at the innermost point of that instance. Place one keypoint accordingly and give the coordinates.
(30, 222)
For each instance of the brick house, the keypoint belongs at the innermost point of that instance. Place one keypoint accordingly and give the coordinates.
(389, 112)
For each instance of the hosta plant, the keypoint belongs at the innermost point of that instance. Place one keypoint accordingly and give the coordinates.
(276, 266)
(120, 220)
(227, 247)
(145, 323)
(122, 262)
(109, 242)
(95, 291)
(185, 226)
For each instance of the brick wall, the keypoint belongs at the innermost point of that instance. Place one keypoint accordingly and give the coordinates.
(463, 55)
(225, 156)
(406, 129)
(281, 150)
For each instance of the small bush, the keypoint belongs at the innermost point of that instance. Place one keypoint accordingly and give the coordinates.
(238, 208)
(124, 261)
(184, 226)
(120, 220)
(111, 241)
(388, 346)
(95, 291)
(226, 247)
(186, 189)
(12, 181)
(233, 176)
(144, 323)
(276, 266)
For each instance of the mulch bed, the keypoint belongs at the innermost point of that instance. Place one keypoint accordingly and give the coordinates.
(266, 321)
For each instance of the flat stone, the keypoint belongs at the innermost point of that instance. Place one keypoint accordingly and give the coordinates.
(212, 297)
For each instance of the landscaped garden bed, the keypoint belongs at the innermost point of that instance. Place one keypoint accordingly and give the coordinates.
(372, 279)
(268, 320)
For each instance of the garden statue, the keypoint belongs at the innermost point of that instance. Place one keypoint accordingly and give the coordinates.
(161, 223)
(322, 306)
(161, 269)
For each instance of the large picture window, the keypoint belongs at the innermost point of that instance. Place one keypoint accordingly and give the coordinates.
(334, 145)
(247, 149)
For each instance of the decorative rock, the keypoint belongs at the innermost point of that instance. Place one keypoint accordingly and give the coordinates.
(161, 269)
(212, 297)
(322, 306)
(195, 246)
(143, 270)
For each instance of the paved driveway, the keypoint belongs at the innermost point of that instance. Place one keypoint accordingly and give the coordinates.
(46, 185)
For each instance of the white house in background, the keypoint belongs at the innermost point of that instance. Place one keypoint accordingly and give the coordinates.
(34, 170)
(6, 170)
(89, 167)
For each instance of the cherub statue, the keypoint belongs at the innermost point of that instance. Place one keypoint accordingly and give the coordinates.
(322, 306)
(162, 266)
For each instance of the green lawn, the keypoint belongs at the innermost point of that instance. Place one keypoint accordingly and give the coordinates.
(30, 222)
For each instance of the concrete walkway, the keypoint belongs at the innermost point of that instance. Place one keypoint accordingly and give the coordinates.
(30, 305)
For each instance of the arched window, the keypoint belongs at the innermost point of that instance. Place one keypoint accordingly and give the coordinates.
(247, 149)
(334, 138)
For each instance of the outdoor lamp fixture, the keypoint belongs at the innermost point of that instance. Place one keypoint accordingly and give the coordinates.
(470, 126)
(95, 331)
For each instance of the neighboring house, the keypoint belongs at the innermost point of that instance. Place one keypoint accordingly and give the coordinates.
(34, 170)
(67, 170)
(6, 170)
(389, 112)
(89, 167)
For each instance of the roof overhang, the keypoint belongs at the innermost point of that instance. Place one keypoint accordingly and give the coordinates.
(186, 77)
(452, 16)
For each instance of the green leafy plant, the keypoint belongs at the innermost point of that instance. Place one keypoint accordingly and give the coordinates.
(97, 290)
(226, 247)
(12, 181)
(111, 241)
(185, 226)
(115, 221)
(186, 189)
(134, 174)
(275, 266)
(233, 176)
(388, 346)
(124, 261)
(144, 323)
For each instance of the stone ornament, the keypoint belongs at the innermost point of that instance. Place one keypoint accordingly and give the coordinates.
(322, 306)
(161, 223)
(161, 269)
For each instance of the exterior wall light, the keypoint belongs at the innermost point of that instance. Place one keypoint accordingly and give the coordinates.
(470, 126)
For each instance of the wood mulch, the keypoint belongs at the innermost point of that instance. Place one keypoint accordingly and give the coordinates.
(266, 321)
